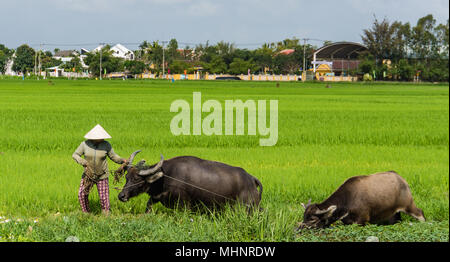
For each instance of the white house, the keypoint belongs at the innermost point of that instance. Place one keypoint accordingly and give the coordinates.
(9, 65)
(122, 52)
(98, 48)
(118, 51)
(65, 55)
(83, 51)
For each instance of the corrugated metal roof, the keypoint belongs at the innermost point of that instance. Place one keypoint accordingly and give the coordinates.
(342, 50)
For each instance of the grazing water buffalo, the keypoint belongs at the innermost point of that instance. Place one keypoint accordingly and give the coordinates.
(376, 198)
(190, 181)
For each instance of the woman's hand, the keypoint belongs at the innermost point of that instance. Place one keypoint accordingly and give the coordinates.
(85, 166)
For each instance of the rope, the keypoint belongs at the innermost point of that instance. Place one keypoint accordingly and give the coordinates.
(206, 190)
(89, 179)
(118, 188)
(189, 184)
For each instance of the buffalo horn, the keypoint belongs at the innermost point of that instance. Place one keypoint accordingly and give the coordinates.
(329, 210)
(151, 171)
(130, 160)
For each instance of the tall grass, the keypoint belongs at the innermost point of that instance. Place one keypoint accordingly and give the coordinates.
(326, 135)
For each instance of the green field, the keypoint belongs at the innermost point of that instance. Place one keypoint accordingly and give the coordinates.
(326, 135)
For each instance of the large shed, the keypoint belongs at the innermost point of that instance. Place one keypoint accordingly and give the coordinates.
(340, 56)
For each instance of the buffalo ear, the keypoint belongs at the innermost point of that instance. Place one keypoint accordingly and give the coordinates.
(307, 205)
(153, 178)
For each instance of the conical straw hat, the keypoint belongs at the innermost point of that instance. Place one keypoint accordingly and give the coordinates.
(97, 133)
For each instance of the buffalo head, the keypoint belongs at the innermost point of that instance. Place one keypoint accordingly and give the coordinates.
(315, 217)
(138, 178)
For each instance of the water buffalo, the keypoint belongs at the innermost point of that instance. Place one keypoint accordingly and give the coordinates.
(376, 198)
(188, 181)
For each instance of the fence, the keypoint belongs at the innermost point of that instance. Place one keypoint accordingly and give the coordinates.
(251, 77)
(207, 76)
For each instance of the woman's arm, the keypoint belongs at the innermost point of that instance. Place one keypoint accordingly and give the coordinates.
(115, 157)
(77, 155)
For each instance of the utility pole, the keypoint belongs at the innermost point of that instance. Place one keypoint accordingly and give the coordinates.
(304, 55)
(40, 50)
(304, 59)
(101, 51)
(164, 61)
(35, 63)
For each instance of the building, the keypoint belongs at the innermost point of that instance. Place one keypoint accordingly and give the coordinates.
(339, 58)
(65, 55)
(118, 51)
(286, 52)
(122, 52)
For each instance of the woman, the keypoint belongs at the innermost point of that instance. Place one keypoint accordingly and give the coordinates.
(95, 149)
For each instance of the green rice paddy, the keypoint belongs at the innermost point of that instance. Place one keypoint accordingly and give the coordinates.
(325, 135)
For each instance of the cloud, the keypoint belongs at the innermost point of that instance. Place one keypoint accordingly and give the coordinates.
(195, 21)
(202, 8)
(404, 11)
(84, 6)
(117, 6)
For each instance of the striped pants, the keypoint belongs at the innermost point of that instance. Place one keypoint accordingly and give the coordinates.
(103, 193)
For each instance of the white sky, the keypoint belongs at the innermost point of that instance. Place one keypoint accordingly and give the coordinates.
(247, 23)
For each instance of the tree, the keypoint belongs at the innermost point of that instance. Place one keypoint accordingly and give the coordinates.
(135, 67)
(74, 63)
(109, 62)
(240, 66)
(263, 57)
(178, 67)
(287, 44)
(442, 37)
(226, 51)
(24, 60)
(172, 52)
(140, 53)
(404, 70)
(289, 63)
(379, 41)
(216, 66)
(367, 64)
(154, 55)
(423, 39)
(400, 39)
(47, 60)
(429, 44)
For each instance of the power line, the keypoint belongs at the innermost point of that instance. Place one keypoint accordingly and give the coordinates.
(165, 41)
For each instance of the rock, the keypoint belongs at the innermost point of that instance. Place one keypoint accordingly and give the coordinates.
(72, 239)
(372, 239)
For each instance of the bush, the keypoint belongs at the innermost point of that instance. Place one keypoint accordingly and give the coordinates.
(367, 77)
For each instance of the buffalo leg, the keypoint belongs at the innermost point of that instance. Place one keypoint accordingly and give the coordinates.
(360, 219)
(349, 219)
(150, 202)
(155, 199)
(395, 218)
